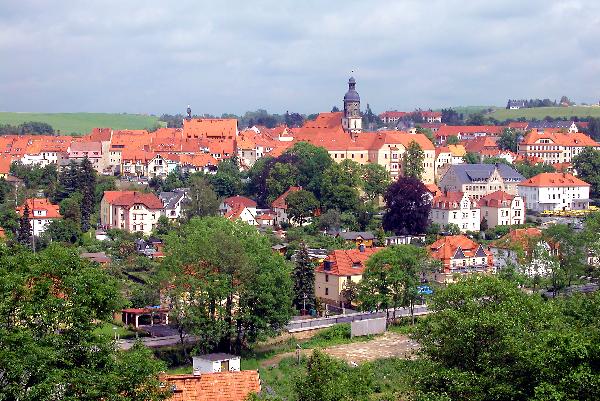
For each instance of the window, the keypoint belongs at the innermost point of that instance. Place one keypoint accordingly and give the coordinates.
(326, 291)
(327, 278)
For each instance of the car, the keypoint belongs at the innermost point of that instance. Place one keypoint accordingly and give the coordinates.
(424, 290)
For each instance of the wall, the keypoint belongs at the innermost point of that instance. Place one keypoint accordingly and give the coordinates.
(367, 327)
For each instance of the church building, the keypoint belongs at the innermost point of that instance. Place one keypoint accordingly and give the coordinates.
(352, 121)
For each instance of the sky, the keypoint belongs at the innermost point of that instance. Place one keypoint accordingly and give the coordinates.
(157, 56)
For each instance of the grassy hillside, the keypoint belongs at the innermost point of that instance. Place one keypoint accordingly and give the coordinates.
(81, 123)
(467, 110)
(541, 112)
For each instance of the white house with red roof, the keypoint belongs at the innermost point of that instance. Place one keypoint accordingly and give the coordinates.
(243, 213)
(455, 208)
(232, 202)
(280, 207)
(502, 209)
(555, 147)
(131, 211)
(460, 255)
(555, 191)
(41, 214)
(337, 270)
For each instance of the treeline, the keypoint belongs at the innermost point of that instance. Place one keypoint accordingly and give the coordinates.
(248, 119)
(27, 128)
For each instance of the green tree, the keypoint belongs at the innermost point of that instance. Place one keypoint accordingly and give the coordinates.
(226, 285)
(68, 182)
(452, 229)
(70, 208)
(48, 346)
(301, 205)
(471, 158)
(327, 379)
(452, 140)
(304, 280)
(63, 230)
(281, 177)
(587, 164)
(528, 169)
(163, 226)
(24, 234)
(571, 251)
(509, 140)
(391, 278)
(202, 200)
(87, 187)
(425, 131)
(339, 186)
(488, 339)
(407, 207)
(376, 179)
(413, 161)
(330, 220)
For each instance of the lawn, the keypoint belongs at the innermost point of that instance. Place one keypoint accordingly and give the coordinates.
(540, 112)
(106, 329)
(82, 123)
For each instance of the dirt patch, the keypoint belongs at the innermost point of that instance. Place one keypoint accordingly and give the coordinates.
(389, 345)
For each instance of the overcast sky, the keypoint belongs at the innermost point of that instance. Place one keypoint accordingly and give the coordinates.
(159, 56)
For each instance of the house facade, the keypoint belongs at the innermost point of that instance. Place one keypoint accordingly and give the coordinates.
(555, 191)
(280, 207)
(41, 214)
(502, 209)
(455, 208)
(337, 270)
(555, 147)
(459, 256)
(478, 180)
(130, 211)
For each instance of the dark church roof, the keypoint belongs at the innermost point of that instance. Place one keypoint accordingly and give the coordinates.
(352, 94)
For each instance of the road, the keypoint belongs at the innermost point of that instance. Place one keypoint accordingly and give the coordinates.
(155, 342)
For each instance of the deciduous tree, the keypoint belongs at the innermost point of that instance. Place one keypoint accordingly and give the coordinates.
(301, 205)
(413, 161)
(202, 200)
(408, 206)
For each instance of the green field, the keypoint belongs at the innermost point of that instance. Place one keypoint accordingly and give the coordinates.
(540, 112)
(82, 123)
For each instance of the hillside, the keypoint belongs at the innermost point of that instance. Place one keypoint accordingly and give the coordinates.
(81, 123)
(540, 112)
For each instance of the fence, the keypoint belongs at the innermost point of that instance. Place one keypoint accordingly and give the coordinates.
(303, 325)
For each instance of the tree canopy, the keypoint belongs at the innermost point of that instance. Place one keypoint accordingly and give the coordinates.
(408, 204)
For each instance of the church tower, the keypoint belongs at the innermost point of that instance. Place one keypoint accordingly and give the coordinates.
(352, 121)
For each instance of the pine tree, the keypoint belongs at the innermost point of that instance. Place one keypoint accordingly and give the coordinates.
(68, 182)
(304, 280)
(87, 185)
(24, 232)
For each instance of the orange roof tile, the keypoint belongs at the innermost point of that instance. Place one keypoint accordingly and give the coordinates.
(221, 386)
(130, 198)
(347, 262)
(210, 128)
(576, 139)
(280, 202)
(239, 200)
(518, 237)
(496, 199)
(52, 210)
(446, 247)
(554, 180)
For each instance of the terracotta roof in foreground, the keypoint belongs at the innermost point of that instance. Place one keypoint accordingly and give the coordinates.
(222, 386)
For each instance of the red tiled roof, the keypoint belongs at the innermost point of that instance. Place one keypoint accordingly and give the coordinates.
(448, 201)
(518, 125)
(52, 211)
(280, 201)
(575, 139)
(221, 386)
(496, 199)
(434, 189)
(238, 199)
(5, 162)
(554, 180)
(130, 198)
(518, 237)
(210, 128)
(347, 262)
(446, 247)
(455, 130)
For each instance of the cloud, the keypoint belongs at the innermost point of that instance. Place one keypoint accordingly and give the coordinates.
(233, 56)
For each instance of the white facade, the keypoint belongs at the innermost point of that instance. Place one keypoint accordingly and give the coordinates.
(460, 211)
(214, 363)
(540, 198)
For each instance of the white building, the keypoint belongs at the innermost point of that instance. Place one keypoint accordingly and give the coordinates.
(173, 202)
(502, 209)
(555, 191)
(455, 208)
(41, 214)
(130, 211)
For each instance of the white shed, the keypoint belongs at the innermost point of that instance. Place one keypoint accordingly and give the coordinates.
(212, 363)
